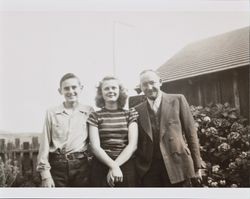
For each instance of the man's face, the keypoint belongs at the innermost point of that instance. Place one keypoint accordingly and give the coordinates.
(150, 84)
(110, 91)
(70, 89)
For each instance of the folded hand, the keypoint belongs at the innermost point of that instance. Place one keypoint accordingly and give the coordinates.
(114, 175)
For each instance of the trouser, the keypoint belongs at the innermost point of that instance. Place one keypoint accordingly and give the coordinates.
(99, 173)
(70, 172)
(157, 176)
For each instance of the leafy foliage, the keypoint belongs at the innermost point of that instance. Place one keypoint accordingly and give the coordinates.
(8, 172)
(27, 180)
(224, 138)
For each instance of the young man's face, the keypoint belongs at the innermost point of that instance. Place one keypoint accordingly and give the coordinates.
(150, 85)
(70, 89)
(110, 90)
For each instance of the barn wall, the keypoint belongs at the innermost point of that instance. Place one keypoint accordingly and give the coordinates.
(244, 88)
(227, 86)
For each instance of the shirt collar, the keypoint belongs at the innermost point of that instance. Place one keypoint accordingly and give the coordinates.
(61, 109)
(157, 101)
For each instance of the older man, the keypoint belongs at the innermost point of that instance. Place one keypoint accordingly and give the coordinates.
(168, 148)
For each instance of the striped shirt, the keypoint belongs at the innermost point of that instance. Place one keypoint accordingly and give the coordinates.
(113, 128)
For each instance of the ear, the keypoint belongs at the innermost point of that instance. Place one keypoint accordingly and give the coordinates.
(59, 90)
(160, 81)
(140, 86)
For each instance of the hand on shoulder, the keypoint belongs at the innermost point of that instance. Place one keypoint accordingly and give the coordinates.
(133, 112)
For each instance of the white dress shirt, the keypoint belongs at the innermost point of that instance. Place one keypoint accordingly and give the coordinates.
(155, 104)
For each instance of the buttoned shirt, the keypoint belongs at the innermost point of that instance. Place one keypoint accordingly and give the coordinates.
(63, 132)
(155, 104)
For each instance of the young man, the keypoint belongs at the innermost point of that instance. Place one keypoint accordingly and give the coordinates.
(163, 158)
(62, 158)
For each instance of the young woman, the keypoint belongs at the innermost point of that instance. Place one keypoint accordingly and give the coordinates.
(113, 135)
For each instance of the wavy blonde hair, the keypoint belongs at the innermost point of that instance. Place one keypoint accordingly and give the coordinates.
(121, 101)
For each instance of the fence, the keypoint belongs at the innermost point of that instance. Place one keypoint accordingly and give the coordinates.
(24, 153)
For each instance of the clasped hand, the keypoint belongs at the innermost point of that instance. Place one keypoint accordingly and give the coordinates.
(114, 175)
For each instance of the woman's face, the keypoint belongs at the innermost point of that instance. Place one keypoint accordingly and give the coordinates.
(110, 90)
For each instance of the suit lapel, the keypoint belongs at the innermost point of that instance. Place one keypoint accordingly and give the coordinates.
(165, 111)
(145, 119)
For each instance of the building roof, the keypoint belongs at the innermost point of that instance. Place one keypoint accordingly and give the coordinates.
(218, 53)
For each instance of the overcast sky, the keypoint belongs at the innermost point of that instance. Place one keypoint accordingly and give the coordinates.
(42, 40)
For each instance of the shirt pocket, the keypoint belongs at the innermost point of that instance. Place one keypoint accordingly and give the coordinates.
(173, 122)
(58, 130)
(174, 145)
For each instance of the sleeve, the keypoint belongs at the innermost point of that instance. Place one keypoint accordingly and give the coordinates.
(132, 116)
(190, 131)
(43, 166)
(91, 109)
(93, 119)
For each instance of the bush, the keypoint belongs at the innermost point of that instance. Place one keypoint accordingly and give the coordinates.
(27, 180)
(8, 172)
(224, 144)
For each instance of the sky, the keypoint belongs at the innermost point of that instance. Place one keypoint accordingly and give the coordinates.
(42, 40)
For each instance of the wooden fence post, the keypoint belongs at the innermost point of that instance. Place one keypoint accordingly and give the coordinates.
(35, 143)
(26, 161)
(2, 149)
(17, 143)
(2, 145)
(9, 150)
(35, 147)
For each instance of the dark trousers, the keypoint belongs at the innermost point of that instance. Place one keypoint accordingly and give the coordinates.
(157, 176)
(99, 173)
(70, 173)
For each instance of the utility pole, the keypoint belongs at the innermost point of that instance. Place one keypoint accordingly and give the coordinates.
(115, 23)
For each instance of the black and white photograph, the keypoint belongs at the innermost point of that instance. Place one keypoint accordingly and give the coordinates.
(125, 99)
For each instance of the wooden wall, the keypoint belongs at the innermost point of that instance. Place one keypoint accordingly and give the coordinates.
(227, 86)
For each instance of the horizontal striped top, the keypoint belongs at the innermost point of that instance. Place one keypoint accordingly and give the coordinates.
(113, 128)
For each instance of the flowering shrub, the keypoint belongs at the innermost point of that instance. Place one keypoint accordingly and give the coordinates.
(8, 172)
(224, 144)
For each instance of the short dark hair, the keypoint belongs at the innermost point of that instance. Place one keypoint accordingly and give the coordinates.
(122, 93)
(69, 76)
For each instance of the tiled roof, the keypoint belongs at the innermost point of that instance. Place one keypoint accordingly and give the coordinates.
(221, 52)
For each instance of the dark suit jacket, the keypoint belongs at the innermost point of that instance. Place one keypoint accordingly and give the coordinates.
(178, 139)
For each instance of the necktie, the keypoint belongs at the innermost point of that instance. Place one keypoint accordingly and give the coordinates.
(154, 107)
